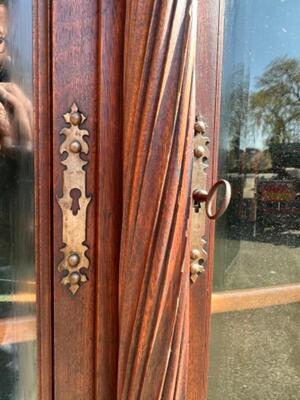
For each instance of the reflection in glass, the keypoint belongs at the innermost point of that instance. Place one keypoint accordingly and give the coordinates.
(17, 273)
(255, 354)
(258, 241)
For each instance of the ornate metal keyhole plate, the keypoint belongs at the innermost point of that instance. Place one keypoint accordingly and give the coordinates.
(74, 202)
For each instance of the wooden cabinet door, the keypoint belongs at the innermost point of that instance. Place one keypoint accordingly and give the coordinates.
(57, 58)
(114, 317)
(97, 108)
(121, 92)
(208, 65)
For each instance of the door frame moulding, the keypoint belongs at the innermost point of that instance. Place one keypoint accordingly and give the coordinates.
(43, 190)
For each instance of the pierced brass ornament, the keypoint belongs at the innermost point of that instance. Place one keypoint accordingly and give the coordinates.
(203, 200)
(198, 256)
(74, 202)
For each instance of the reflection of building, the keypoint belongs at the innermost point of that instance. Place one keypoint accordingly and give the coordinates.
(249, 160)
(265, 195)
(285, 155)
(264, 198)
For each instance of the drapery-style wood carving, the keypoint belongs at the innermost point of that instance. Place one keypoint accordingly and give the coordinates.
(154, 267)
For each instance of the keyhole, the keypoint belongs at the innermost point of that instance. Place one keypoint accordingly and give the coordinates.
(75, 194)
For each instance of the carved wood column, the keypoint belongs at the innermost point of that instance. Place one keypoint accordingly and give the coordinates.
(154, 268)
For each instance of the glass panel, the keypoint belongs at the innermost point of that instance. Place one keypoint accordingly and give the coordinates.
(255, 354)
(17, 271)
(258, 240)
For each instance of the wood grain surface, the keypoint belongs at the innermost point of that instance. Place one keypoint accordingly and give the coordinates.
(74, 79)
(208, 65)
(154, 270)
(109, 194)
(87, 53)
(125, 334)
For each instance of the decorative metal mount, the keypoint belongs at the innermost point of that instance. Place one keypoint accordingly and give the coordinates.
(198, 256)
(74, 202)
(200, 197)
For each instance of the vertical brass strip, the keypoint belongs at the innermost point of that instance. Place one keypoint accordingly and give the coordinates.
(199, 180)
(74, 202)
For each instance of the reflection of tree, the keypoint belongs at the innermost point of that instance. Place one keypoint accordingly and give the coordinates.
(238, 101)
(236, 116)
(276, 103)
(274, 109)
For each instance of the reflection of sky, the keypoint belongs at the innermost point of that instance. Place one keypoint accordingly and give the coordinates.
(274, 31)
(257, 32)
(262, 30)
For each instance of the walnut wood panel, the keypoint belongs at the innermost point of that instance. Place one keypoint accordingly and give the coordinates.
(74, 70)
(154, 268)
(109, 187)
(43, 193)
(209, 38)
(88, 42)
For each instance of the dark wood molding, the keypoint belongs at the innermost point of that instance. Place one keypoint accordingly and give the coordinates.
(43, 192)
(154, 268)
(74, 77)
(208, 67)
(109, 194)
(87, 46)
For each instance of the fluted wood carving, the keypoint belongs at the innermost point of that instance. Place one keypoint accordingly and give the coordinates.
(154, 267)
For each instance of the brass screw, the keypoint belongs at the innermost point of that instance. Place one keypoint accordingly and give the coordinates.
(75, 146)
(199, 151)
(75, 118)
(197, 268)
(74, 260)
(74, 278)
(200, 126)
(195, 254)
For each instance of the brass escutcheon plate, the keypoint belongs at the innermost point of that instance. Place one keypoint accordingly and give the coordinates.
(74, 202)
(198, 257)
